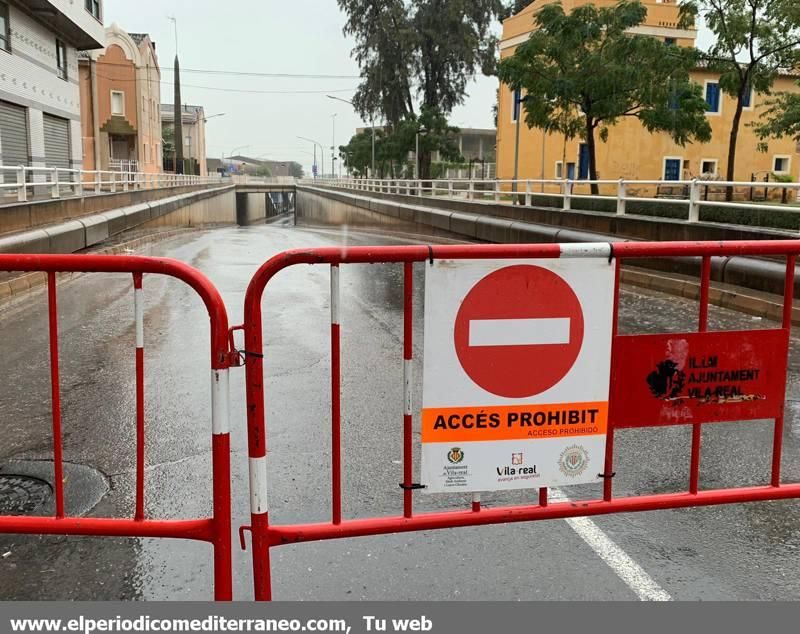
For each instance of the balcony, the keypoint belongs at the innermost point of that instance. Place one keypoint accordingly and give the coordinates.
(71, 19)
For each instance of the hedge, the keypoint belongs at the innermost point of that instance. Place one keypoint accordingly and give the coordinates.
(755, 216)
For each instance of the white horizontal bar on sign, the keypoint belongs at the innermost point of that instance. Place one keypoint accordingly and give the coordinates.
(518, 332)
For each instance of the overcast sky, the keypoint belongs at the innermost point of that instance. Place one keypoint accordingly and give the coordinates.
(266, 36)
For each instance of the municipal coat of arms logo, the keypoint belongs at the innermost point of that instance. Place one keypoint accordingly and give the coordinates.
(455, 455)
(573, 461)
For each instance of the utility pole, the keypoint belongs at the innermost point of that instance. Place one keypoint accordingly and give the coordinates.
(333, 147)
(518, 101)
(177, 107)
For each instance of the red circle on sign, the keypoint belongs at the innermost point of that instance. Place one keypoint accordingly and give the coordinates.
(527, 331)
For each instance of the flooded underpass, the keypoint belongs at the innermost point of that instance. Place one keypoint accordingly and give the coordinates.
(731, 552)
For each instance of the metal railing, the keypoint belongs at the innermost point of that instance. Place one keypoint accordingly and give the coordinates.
(124, 165)
(246, 179)
(694, 193)
(25, 183)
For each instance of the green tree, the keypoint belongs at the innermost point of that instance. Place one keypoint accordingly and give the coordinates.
(755, 40)
(422, 52)
(357, 154)
(394, 145)
(781, 118)
(584, 71)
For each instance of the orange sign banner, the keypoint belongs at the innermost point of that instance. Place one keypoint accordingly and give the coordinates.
(514, 422)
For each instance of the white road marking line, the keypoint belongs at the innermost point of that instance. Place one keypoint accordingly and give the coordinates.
(631, 573)
(518, 332)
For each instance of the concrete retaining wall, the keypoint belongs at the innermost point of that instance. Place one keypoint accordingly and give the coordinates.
(655, 229)
(509, 225)
(251, 208)
(21, 216)
(194, 209)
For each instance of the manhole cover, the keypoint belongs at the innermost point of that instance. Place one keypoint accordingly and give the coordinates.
(21, 495)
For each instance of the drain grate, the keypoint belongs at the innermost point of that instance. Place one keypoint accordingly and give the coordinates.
(22, 495)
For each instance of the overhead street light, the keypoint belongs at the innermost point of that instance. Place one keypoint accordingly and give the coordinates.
(372, 126)
(321, 151)
(221, 114)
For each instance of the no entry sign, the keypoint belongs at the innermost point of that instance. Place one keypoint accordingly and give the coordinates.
(516, 372)
(519, 331)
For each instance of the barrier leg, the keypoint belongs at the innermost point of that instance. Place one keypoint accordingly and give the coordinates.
(221, 465)
(138, 302)
(55, 395)
(408, 351)
(336, 397)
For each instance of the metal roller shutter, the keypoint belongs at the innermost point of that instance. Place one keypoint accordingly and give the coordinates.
(13, 137)
(56, 143)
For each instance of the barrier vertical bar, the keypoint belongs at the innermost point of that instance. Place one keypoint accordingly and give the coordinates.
(138, 302)
(608, 469)
(542, 496)
(788, 305)
(221, 465)
(408, 355)
(55, 394)
(476, 502)
(336, 397)
(697, 428)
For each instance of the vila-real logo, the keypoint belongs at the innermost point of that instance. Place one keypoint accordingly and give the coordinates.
(573, 461)
(455, 455)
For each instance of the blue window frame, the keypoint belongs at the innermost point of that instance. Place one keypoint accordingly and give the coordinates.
(517, 95)
(669, 41)
(672, 169)
(583, 162)
(748, 98)
(712, 96)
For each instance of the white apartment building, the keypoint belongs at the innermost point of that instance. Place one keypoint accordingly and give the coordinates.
(39, 90)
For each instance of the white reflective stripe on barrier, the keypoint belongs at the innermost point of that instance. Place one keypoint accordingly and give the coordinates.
(407, 377)
(258, 485)
(220, 402)
(335, 294)
(138, 303)
(586, 250)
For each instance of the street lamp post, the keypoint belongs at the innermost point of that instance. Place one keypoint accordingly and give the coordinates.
(333, 146)
(213, 116)
(372, 126)
(230, 154)
(321, 151)
(518, 101)
(416, 156)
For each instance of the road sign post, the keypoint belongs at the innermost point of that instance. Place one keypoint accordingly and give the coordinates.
(517, 366)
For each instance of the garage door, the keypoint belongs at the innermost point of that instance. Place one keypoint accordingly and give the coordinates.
(56, 143)
(13, 137)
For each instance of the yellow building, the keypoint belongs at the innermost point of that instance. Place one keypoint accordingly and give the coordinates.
(631, 151)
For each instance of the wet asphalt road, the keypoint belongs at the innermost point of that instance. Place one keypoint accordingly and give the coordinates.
(734, 552)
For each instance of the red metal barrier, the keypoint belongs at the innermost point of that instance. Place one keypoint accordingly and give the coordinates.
(216, 529)
(266, 536)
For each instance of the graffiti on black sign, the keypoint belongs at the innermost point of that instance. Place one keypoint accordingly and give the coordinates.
(683, 377)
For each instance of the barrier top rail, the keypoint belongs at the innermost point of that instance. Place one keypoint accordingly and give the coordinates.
(772, 342)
